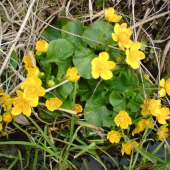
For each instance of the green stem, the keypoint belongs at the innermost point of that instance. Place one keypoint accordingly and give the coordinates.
(103, 32)
(73, 120)
(123, 135)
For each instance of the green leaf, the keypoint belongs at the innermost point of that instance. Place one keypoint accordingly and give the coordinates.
(126, 80)
(64, 90)
(82, 60)
(58, 50)
(14, 59)
(96, 112)
(51, 33)
(63, 65)
(117, 101)
(95, 31)
(129, 93)
(74, 28)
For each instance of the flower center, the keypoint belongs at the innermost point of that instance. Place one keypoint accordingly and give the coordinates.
(101, 67)
(32, 92)
(133, 55)
(123, 37)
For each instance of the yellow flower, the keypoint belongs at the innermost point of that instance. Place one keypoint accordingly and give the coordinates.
(141, 125)
(7, 117)
(149, 125)
(164, 115)
(154, 107)
(21, 105)
(114, 136)
(144, 107)
(7, 101)
(0, 126)
(122, 36)
(101, 66)
(27, 60)
(0, 118)
(133, 56)
(32, 90)
(53, 104)
(77, 107)
(111, 16)
(165, 87)
(164, 130)
(151, 106)
(33, 72)
(127, 147)
(42, 46)
(123, 119)
(71, 74)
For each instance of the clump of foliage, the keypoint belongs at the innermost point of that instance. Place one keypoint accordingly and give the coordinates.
(91, 72)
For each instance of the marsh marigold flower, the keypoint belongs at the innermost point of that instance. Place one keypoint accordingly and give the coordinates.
(32, 90)
(165, 87)
(33, 72)
(164, 115)
(7, 101)
(133, 56)
(21, 105)
(7, 117)
(111, 16)
(122, 36)
(164, 130)
(77, 107)
(114, 136)
(139, 127)
(101, 66)
(42, 46)
(127, 147)
(123, 119)
(27, 60)
(53, 104)
(151, 106)
(71, 74)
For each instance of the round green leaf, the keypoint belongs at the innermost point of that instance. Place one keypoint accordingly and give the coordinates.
(75, 28)
(58, 50)
(82, 60)
(95, 31)
(96, 112)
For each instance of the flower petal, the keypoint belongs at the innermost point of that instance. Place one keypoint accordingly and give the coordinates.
(106, 75)
(111, 65)
(95, 74)
(114, 36)
(103, 56)
(116, 28)
(162, 92)
(162, 83)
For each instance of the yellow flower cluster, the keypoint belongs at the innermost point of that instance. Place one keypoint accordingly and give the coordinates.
(142, 125)
(165, 87)
(153, 107)
(122, 35)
